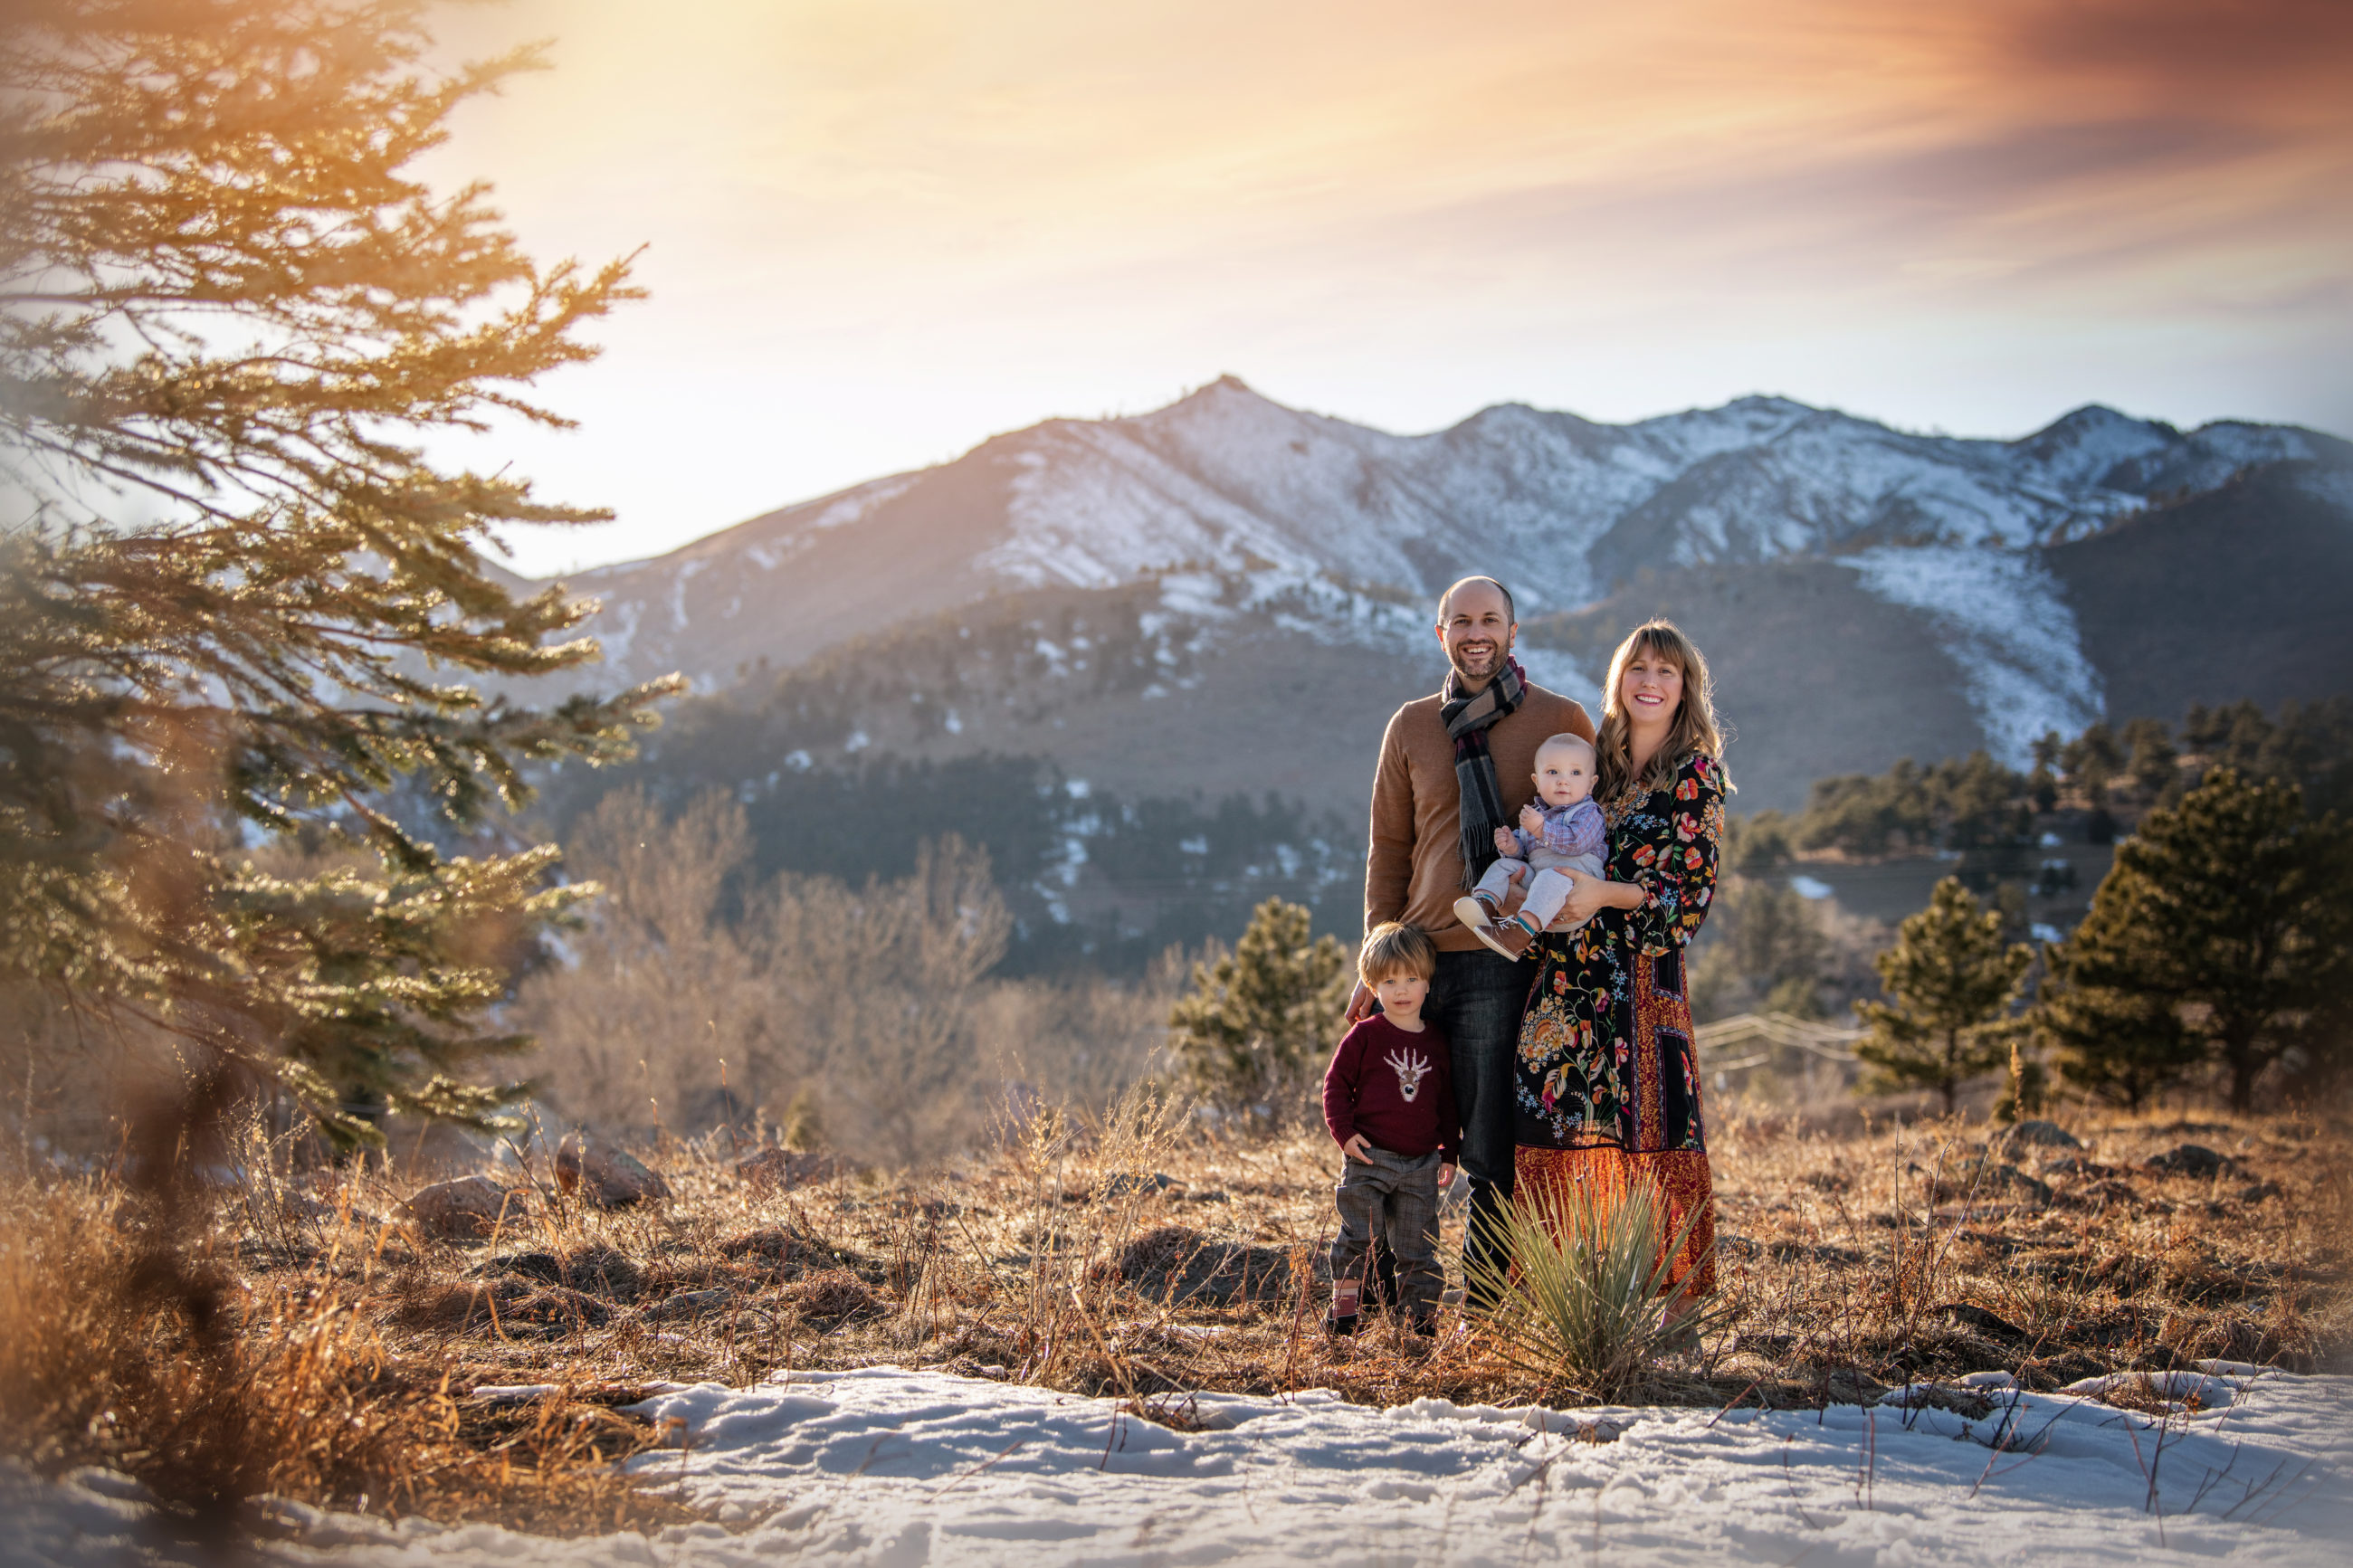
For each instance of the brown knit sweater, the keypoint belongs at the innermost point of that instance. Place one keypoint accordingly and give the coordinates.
(1413, 871)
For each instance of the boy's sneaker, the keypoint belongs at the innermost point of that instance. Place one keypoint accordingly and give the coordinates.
(1476, 909)
(1511, 938)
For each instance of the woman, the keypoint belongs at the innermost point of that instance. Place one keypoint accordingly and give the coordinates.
(1607, 1087)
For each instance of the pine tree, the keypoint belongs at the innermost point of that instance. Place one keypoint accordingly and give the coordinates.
(234, 593)
(2221, 933)
(2123, 1046)
(2149, 745)
(1259, 1019)
(1948, 978)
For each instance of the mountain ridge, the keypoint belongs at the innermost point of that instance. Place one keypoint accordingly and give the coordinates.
(1235, 506)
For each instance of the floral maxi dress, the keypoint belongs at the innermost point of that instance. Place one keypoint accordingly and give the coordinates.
(1607, 1087)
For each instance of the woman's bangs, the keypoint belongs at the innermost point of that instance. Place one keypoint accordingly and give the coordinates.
(1657, 645)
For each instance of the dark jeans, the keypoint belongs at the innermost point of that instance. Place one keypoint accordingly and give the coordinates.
(1392, 1198)
(1475, 1001)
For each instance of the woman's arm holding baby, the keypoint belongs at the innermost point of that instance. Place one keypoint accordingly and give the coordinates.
(1588, 895)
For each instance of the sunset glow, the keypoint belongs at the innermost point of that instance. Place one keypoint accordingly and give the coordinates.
(878, 232)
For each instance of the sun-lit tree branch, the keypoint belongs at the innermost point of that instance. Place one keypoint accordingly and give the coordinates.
(230, 314)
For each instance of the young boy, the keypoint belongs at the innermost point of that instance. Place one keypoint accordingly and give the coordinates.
(1563, 830)
(1389, 1100)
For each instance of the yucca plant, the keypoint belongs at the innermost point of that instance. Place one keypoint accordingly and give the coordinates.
(1578, 1292)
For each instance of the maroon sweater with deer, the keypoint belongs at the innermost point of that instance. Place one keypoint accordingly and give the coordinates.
(1394, 1088)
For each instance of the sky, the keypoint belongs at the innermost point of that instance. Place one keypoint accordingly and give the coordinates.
(876, 232)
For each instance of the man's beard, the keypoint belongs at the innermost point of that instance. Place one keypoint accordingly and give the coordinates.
(1503, 654)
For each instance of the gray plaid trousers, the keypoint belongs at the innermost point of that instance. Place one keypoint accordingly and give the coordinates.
(1395, 1195)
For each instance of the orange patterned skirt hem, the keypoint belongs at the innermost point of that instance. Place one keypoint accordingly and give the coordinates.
(1680, 1174)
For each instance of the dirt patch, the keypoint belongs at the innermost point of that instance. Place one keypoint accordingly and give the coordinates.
(1176, 1265)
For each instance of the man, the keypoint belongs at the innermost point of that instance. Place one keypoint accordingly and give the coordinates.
(1454, 767)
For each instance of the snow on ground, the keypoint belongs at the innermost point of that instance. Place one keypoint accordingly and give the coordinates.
(886, 1467)
(2002, 618)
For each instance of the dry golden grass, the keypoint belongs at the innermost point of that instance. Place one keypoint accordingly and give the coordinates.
(1898, 1255)
(220, 1375)
(1848, 1261)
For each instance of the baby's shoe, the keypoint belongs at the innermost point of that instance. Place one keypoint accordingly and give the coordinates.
(1511, 938)
(1476, 909)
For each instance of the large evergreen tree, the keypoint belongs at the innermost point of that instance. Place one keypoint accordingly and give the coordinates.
(2223, 932)
(234, 592)
(1257, 1020)
(1948, 979)
(2119, 1044)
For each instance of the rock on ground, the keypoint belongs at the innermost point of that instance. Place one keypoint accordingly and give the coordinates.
(468, 1209)
(2038, 1134)
(786, 1168)
(605, 1177)
(2192, 1160)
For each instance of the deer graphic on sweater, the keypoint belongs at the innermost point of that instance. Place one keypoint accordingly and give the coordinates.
(1411, 1067)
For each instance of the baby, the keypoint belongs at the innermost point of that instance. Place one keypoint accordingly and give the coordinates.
(1562, 831)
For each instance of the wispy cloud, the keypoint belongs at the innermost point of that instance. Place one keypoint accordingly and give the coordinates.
(880, 228)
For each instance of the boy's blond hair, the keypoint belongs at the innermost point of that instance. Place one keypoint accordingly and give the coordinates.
(1391, 946)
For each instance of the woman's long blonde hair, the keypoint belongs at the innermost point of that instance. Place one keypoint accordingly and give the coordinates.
(1695, 729)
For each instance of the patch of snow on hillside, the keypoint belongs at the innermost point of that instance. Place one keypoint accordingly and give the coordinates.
(687, 572)
(1700, 433)
(1092, 507)
(2331, 485)
(769, 556)
(889, 1466)
(2236, 442)
(2083, 447)
(2001, 618)
(1311, 602)
(854, 504)
(1555, 670)
(615, 628)
(1300, 600)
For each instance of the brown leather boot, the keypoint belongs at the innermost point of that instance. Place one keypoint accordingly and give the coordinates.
(1509, 938)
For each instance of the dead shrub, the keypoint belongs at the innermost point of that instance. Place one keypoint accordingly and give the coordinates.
(1175, 1264)
(831, 1295)
(781, 1252)
(593, 1267)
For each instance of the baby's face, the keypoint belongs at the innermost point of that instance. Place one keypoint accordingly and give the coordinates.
(1563, 776)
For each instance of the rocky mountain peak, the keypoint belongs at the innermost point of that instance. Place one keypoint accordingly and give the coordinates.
(1234, 500)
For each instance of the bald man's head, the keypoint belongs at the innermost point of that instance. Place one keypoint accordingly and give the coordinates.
(1446, 600)
(1475, 627)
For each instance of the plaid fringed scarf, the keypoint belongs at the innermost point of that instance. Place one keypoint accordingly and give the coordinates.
(1467, 716)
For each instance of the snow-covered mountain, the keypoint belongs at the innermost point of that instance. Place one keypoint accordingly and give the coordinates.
(1232, 501)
